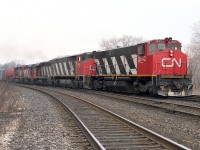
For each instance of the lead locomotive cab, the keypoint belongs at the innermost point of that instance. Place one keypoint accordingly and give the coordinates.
(168, 68)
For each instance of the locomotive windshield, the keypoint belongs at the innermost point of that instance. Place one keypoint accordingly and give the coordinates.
(86, 56)
(155, 46)
(174, 46)
(152, 47)
(162, 46)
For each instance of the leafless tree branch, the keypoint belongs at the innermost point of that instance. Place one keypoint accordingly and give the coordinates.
(125, 40)
(194, 55)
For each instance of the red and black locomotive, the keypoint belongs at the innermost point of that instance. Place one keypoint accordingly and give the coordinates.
(157, 67)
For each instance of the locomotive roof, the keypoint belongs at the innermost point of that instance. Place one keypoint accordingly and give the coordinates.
(149, 41)
(122, 47)
(41, 63)
(164, 40)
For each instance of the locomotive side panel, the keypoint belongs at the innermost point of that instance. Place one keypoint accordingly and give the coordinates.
(33, 71)
(8, 74)
(85, 64)
(45, 70)
(18, 74)
(122, 61)
(40, 71)
(63, 71)
(27, 75)
(63, 67)
(145, 65)
(116, 69)
(27, 72)
(144, 61)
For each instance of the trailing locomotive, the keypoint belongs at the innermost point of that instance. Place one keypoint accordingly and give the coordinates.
(7, 74)
(154, 67)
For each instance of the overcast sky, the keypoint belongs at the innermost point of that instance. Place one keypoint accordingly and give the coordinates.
(39, 30)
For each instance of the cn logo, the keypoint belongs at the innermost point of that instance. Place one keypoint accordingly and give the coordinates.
(169, 62)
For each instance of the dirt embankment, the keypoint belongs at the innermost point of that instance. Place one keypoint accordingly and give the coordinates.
(10, 110)
(9, 100)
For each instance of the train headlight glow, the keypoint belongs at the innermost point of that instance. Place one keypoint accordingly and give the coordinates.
(171, 53)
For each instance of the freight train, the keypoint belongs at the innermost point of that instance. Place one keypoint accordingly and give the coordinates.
(155, 67)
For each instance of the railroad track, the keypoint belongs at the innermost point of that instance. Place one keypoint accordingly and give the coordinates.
(192, 98)
(169, 106)
(107, 130)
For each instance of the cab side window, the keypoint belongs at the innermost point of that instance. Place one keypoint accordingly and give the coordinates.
(140, 50)
(85, 57)
(152, 47)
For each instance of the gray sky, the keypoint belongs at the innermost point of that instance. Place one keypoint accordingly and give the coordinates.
(39, 30)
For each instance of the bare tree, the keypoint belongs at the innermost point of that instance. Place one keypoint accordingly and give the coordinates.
(128, 40)
(11, 65)
(109, 44)
(194, 55)
(196, 32)
(125, 40)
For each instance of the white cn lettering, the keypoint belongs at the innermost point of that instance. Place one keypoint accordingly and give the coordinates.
(173, 60)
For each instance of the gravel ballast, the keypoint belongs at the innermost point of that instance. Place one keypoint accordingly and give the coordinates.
(29, 120)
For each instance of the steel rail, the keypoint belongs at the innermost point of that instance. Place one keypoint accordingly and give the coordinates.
(90, 137)
(166, 142)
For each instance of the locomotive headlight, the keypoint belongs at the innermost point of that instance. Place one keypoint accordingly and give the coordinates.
(171, 53)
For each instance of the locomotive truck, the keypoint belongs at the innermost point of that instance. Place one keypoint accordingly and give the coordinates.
(155, 67)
